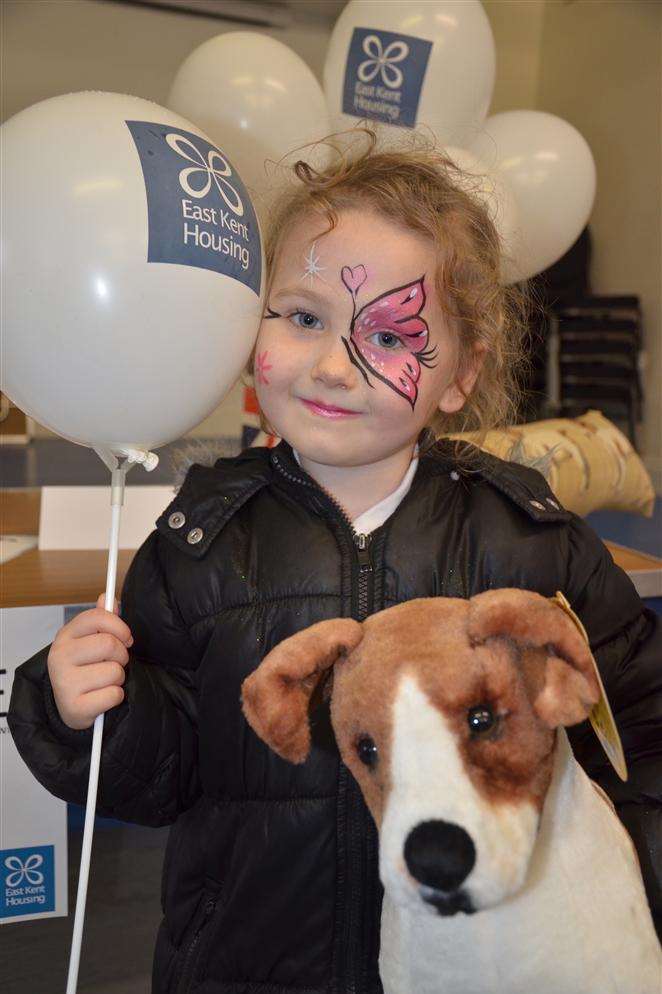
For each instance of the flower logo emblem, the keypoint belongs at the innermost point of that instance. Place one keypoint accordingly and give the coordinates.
(24, 871)
(382, 61)
(205, 171)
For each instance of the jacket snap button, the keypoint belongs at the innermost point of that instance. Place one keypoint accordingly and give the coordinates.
(537, 504)
(552, 503)
(455, 475)
(194, 536)
(176, 519)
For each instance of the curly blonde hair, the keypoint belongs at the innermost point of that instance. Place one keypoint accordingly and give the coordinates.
(421, 189)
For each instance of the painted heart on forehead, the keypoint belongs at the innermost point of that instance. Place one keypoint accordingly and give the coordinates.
(395, 315)
(353, 278)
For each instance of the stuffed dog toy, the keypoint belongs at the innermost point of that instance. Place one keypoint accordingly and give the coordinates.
(505, 869)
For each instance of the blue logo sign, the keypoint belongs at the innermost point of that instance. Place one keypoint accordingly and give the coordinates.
(27, 881)
(199, 211)
(384, 76)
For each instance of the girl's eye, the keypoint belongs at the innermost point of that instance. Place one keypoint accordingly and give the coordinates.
(386, 339)
(304, 319)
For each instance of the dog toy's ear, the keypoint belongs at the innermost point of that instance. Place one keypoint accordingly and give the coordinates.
(568, 689)
(276, 697)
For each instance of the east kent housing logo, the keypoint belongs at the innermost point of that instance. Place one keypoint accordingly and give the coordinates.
(27, 881)
(384, 76)
(199, 211)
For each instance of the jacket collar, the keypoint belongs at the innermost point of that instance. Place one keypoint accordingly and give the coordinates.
(210, 495)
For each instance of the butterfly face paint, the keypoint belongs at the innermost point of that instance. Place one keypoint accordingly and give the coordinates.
(323, 350)
(388, 337)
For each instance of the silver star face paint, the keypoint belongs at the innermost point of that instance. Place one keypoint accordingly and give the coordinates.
(312, 265)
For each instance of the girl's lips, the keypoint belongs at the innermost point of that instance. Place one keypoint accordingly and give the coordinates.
(328, 412)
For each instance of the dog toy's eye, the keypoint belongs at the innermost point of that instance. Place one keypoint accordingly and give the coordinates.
(367, 751)
(481, 719)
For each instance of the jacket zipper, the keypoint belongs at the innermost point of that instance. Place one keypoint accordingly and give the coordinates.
(364, 582)
(363, 575)
(186, 976)
(357, 861)
(315, 487)
(362, 603)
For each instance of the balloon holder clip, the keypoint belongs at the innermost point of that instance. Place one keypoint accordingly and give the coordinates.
(119, 462)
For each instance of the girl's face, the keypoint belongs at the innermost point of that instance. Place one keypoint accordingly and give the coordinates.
(354, 354)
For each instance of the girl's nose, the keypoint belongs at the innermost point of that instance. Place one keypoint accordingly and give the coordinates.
(333, 366)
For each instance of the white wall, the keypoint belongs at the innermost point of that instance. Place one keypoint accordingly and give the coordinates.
(594, 62)
(60, 46)
(517, 27)
(601, 69)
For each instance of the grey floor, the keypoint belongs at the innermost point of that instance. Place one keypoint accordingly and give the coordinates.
(54, 462)
(122, 918)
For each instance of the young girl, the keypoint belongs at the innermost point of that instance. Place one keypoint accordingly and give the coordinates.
(384, 316)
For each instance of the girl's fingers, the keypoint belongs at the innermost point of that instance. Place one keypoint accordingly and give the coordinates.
(96, 702)
(97, 676)
(98, 620)
(98, 648)
(101, 602)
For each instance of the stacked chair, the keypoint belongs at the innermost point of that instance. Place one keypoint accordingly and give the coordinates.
(599, 349)
(585, 349)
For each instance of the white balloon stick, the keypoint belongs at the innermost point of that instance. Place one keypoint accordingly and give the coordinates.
(118, 474)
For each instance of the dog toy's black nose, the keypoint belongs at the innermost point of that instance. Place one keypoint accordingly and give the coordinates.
(439, 854)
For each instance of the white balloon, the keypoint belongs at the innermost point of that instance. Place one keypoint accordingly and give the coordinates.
(100, 344)
(257, 95)
(412, 62)
(483, 183)
(549, 167)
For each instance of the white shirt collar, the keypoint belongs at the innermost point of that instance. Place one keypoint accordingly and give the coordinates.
(376, 515)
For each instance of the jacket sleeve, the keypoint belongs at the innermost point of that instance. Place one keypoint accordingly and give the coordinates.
(626, 640)
(149, 759)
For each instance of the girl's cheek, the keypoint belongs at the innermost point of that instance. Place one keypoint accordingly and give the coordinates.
(271, 367)
(263, 368)
(263, 336)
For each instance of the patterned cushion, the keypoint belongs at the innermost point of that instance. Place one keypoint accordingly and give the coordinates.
(589, 464)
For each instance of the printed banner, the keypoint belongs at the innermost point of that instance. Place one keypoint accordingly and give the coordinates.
(33, 823)
(200, 213)
(384, 76)
(27, 881)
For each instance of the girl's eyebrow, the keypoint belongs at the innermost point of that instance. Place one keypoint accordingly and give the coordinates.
(300, 291)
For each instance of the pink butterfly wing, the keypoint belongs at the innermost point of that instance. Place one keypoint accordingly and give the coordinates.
(396, 312)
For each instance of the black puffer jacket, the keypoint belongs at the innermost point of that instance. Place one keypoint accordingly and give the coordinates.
(270, 882)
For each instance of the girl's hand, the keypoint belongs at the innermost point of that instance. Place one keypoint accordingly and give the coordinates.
(86, 665)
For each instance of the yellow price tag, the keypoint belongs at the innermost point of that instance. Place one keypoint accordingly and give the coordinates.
(600, 717)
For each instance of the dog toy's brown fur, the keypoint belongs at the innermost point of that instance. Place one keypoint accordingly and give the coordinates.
(512, 649)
